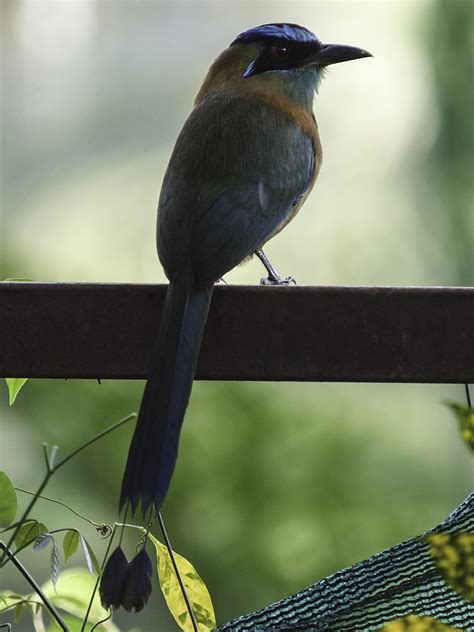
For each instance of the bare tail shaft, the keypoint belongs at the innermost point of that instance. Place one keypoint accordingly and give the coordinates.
(154, 447)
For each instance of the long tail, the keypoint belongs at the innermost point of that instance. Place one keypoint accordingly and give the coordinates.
(154, 447)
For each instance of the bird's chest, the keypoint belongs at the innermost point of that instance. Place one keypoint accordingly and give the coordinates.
(306, 163)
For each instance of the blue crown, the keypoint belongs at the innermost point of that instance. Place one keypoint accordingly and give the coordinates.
(291, 32)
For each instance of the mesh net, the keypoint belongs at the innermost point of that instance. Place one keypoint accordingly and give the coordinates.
(431, 575)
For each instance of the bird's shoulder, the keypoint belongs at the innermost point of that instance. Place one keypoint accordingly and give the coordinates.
(241, 135)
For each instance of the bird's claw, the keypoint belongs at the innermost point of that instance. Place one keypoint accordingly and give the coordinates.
(271, 280)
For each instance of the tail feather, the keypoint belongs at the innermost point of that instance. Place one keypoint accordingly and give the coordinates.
(154, 447)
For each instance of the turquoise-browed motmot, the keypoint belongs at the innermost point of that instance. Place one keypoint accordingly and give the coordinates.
(242, 167)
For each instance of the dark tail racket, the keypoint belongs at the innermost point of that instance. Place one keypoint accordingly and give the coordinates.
(154, 447)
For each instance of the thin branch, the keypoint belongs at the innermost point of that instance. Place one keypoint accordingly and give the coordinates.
(468, 395)
(58, 502)
(51, 471)
(47, 603)
(93, 440)
(91, 600)
(23, 520)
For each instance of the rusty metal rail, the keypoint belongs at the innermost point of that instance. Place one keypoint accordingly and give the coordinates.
(356, 334)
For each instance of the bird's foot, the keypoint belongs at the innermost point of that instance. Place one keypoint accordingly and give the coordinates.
(221, 281)
(273, 277)
(277, 280)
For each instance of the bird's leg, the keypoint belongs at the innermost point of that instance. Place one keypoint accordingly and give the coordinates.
(221, 281)
(273, 277)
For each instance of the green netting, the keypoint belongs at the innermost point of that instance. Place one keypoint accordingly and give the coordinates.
(400, 581)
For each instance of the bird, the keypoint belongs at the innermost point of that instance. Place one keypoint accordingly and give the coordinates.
(243, 164)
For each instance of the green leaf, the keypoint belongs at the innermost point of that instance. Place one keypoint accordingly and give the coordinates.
(15, 385)
(51, 455)
(196, 590)
(8, 601)
(73, 625)
(89, 555)
(465, 417)
(29, 532)
(75, 587)
(19, 610)
(8, 501)
(70, 544)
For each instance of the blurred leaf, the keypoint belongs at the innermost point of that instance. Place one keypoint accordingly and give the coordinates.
(19, 610)
(89, 555)
(8, 501)
(70, 544)
(74, 625)
(9, 600)
(18, 280)
(454, 556)
(42, 541)
(15, 384)
(18, 603)
(54, 564)
(29, 532)
(196, 589)
(465, 417)
(52, 455)
(74, 590)
(414, 623)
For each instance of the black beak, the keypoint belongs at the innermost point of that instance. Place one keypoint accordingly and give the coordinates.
(335, 54)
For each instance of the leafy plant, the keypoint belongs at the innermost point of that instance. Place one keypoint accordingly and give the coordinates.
(14, 384)
(465, 418)
(69, 590)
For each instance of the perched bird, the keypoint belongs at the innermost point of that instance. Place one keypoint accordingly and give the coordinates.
(242, 167)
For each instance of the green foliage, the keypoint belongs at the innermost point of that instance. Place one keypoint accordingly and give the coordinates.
(454, 557)
(15, 384)
(449, 49)
(74, 625)
(69, 594)
(8, 501)
(90, 557)
(415, 623)
(28, 533)
(465, 417)
(70, 543)
(74, 591)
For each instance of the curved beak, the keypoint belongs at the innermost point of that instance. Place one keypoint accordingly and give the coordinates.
(335, 54)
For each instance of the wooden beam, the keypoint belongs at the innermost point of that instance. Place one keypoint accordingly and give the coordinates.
(356, 334)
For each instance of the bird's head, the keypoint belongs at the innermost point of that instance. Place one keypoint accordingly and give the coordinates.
(280, 57)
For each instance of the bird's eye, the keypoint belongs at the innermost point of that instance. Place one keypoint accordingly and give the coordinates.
(279, 52)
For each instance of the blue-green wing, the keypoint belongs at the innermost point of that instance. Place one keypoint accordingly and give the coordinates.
(237, 224)
(225, 195)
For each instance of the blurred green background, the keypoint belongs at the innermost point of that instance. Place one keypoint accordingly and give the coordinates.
(277, 485)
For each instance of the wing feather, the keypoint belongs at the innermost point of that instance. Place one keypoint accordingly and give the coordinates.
(221, 200)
